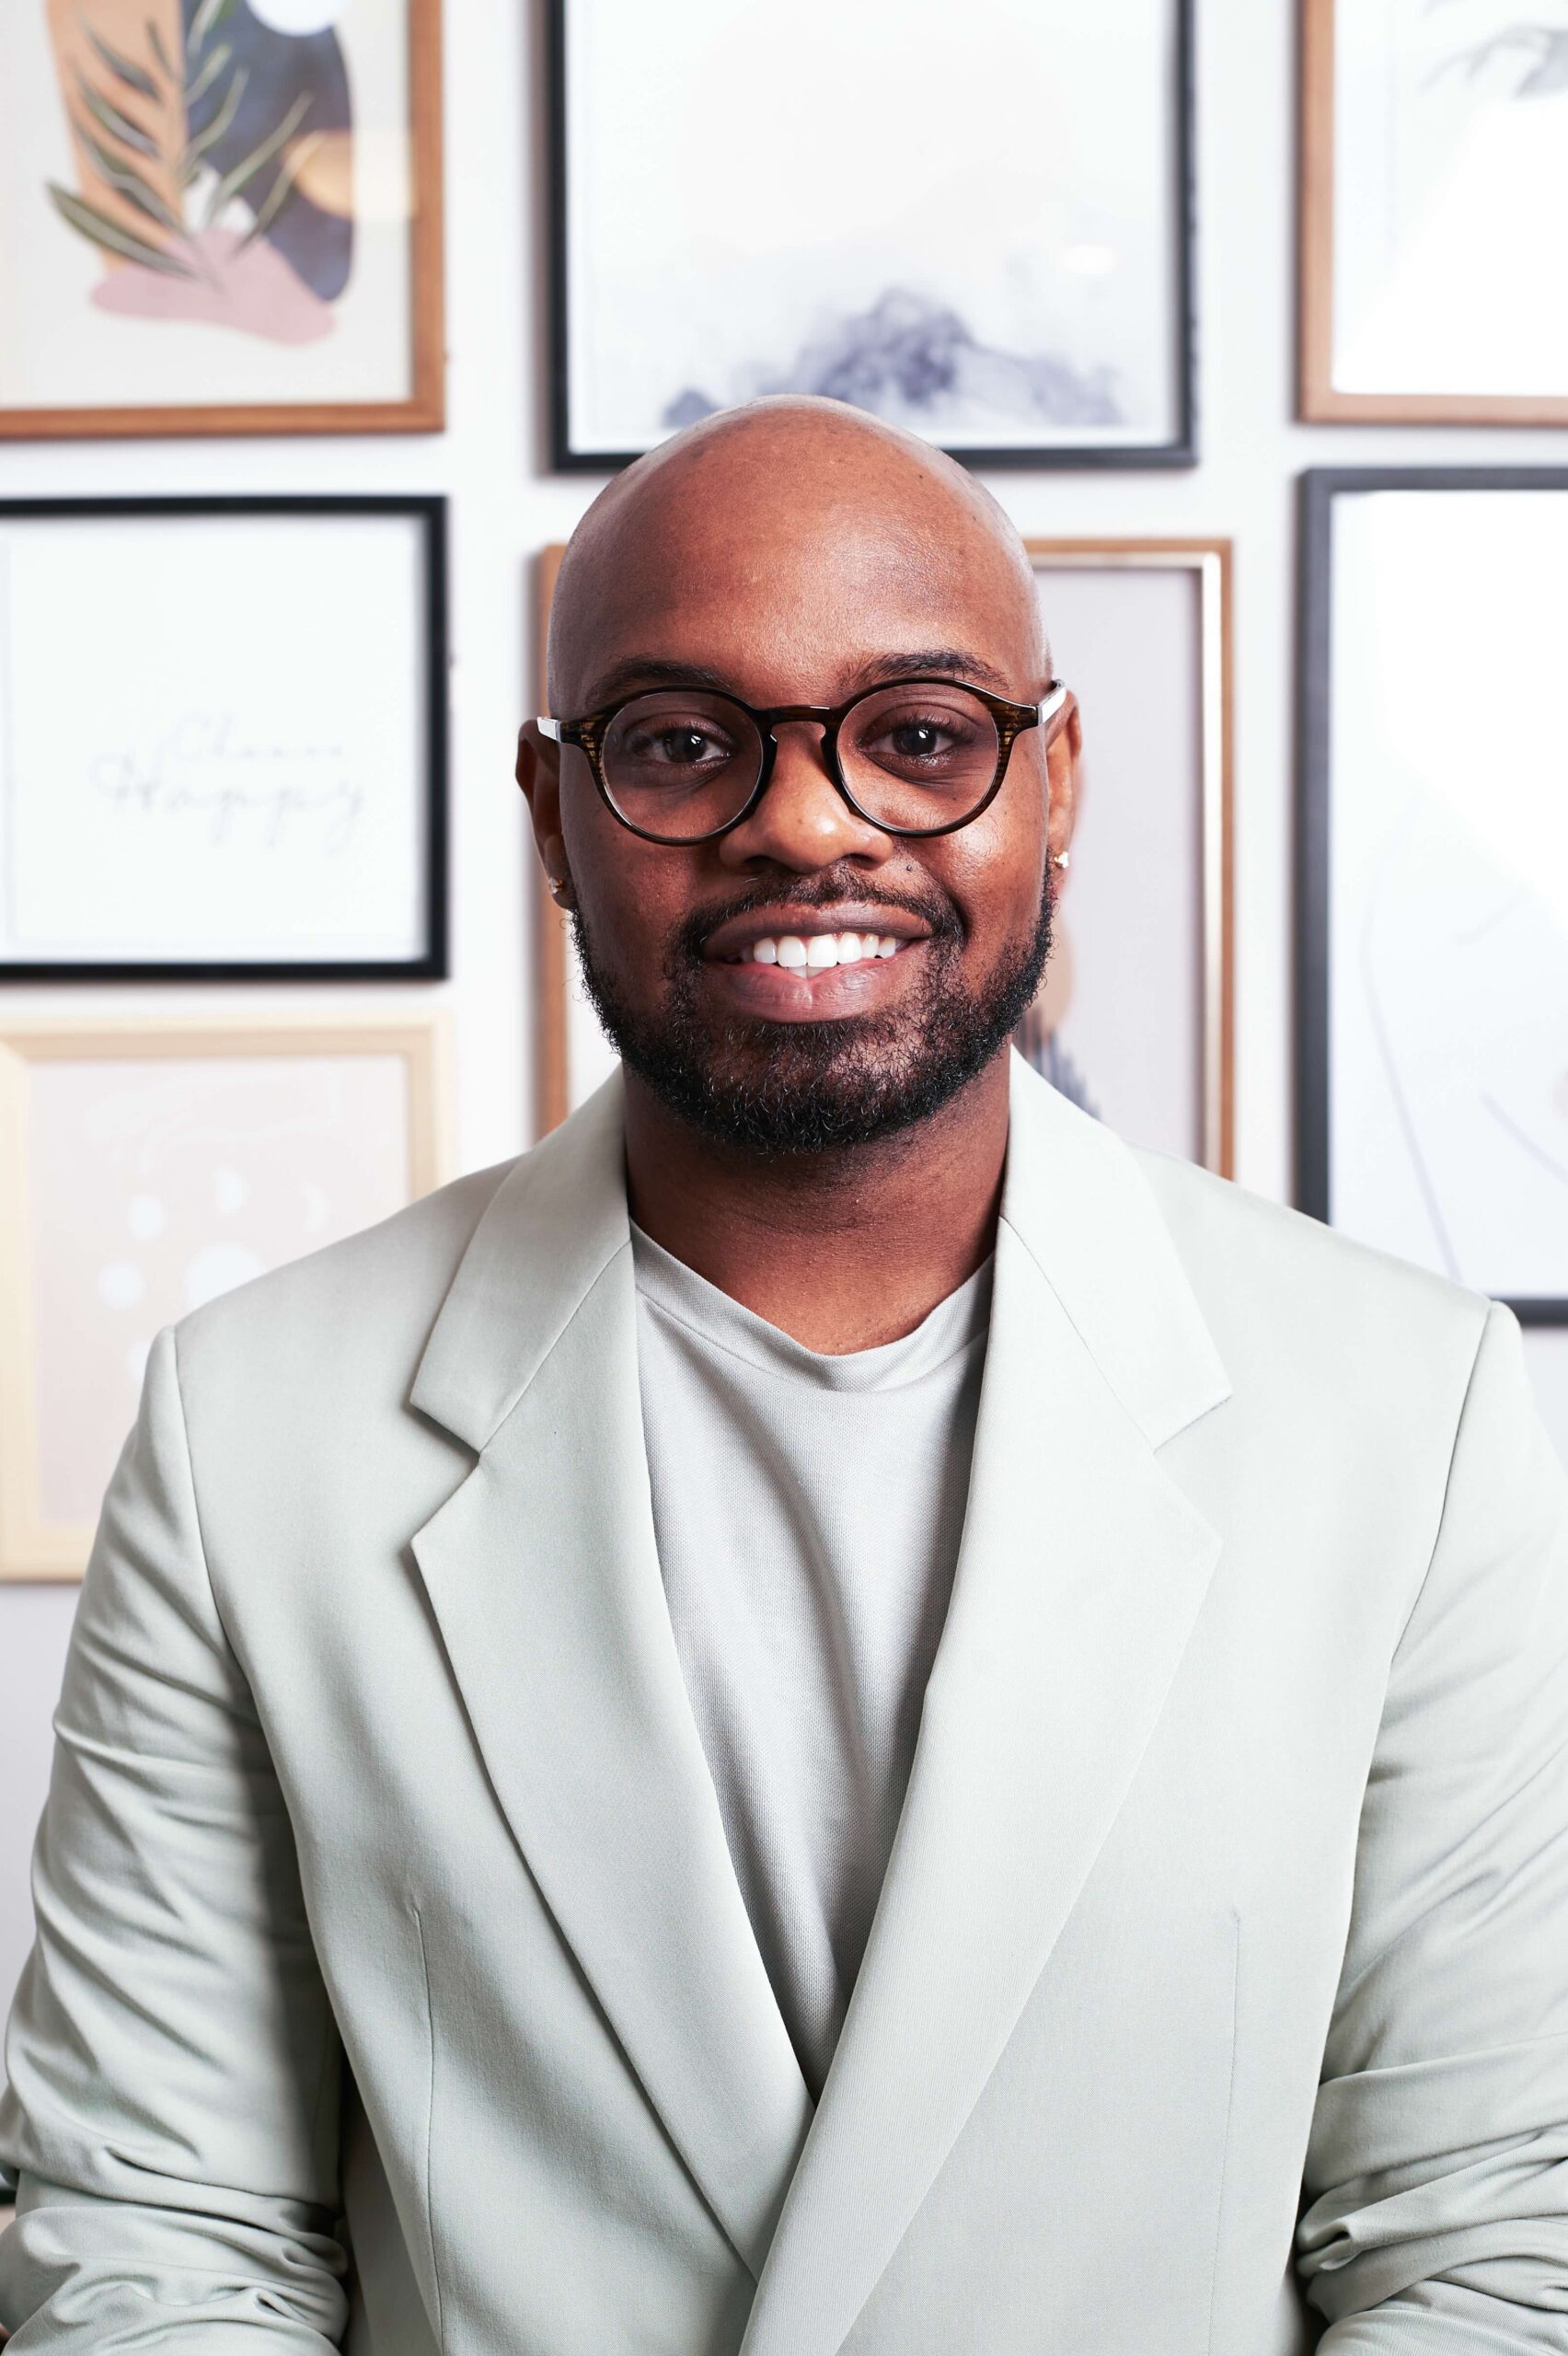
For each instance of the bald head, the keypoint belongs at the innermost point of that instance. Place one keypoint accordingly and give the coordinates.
(744, 496)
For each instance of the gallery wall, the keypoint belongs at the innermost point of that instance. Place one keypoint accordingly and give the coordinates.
(506, 505)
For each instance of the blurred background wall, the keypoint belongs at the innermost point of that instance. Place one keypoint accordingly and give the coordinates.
(506, 506)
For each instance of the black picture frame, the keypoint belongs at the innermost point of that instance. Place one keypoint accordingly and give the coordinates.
(429, 512)
(1319, 489)
(1182, 450)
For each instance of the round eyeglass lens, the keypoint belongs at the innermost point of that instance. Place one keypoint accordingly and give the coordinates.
(681, 763)
(919, 756)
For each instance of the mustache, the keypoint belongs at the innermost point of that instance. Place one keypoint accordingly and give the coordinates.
(824, 891)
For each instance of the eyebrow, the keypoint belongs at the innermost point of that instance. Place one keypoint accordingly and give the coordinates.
(637, 671)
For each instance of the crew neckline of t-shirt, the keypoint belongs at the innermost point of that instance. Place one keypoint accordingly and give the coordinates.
(677, 1292)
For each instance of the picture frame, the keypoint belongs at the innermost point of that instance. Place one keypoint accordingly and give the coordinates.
(252, 792)
(146, 1166)
(1433, 156)
(1172, 1083)
(1432, 919)
(221, 220)
(1076, 349)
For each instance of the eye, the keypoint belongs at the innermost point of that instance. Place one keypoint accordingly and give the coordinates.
(677, 744)
(920, 738)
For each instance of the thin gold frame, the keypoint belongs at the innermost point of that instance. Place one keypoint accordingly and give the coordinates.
(31, 1547)
(1212, 561)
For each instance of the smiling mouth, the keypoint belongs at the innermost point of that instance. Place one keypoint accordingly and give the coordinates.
(815, 952)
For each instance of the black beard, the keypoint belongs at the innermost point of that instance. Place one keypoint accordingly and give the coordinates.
(803, 1087)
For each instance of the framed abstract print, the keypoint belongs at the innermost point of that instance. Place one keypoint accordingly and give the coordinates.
(1015, 285)
(1434, 211)
(220, 217)
(222, 741)
(1432, 986)
(146, 1168)
(1135, 1020)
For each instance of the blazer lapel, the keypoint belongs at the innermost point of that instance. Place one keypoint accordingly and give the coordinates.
(542, 1575)
(1082, 1570)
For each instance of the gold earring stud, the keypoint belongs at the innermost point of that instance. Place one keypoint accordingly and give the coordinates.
(1061, 858)
(560, 891)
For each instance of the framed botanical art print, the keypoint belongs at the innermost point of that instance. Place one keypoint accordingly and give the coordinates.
(1434, 211)
(145, 1167)
(222, 740)
(220, 217)
(1135, 1019)
(1015, 287)
(1433, 988)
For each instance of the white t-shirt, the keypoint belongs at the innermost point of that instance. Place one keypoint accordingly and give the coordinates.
(808, 1511)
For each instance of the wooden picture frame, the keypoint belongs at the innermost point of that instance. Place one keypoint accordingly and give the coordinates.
(220, 784)
(1429, 1048)
(36, 1545)
(921, 338)
(1321, 397)
(1209, 564)
(406, 161)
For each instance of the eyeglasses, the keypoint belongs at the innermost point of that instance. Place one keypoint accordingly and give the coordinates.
(914, 756)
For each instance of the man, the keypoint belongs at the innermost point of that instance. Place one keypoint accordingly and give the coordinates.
(831, 1714)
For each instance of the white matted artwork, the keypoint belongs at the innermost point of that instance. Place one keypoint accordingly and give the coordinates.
(220, 217)
(146, 1169)
(1135, 1019)
(1007, 278)
(1433, 1109)
(1435, 210)
(222, 739)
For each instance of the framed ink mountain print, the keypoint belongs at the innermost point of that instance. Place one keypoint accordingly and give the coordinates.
(1433, 1103)
(1434, 211)
(220, 217)
(1010, 276)
(223, 748)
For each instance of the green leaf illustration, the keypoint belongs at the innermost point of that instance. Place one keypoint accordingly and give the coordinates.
(109, 118)
(234, 181)
(201, 24)
(131, 75)
(208, 76)
(282, 188)
(129, 181)
(91, 223)
(198, 146)
(155, 42)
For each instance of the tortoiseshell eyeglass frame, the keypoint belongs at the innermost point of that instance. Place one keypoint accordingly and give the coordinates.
(588, 734)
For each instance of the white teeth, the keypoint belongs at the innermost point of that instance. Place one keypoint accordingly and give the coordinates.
(868, 944)
(822, 950)
(851, 949)
(817, 951)
(887, 947)
(765, 952)
(792, 951)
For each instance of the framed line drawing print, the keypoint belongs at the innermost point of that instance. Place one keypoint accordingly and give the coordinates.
(222, 740)
(1431, 1105)
(1434, 211)
(221, 216)
(1020, 294)
(146, 1168)
(1135, 1019)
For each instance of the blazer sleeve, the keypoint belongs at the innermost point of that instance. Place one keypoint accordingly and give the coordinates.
(1437, 2165)
(170, 2122)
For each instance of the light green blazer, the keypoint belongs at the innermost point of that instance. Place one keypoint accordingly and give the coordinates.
(393, 1986)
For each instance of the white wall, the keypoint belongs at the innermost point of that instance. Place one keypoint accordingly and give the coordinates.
(504, 507)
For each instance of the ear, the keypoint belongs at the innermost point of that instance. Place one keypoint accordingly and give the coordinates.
(1062, 759)
(538, 774)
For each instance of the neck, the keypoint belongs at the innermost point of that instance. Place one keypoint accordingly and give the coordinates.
(842, 1251)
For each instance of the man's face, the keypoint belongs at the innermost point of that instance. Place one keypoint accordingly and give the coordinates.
(785, 589)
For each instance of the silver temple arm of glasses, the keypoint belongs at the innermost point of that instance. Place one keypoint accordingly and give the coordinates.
(1049, 706)
(550, 728)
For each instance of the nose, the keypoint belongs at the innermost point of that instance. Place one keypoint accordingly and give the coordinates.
(802, 821)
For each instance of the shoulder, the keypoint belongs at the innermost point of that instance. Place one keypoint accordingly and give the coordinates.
(371, 1296)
